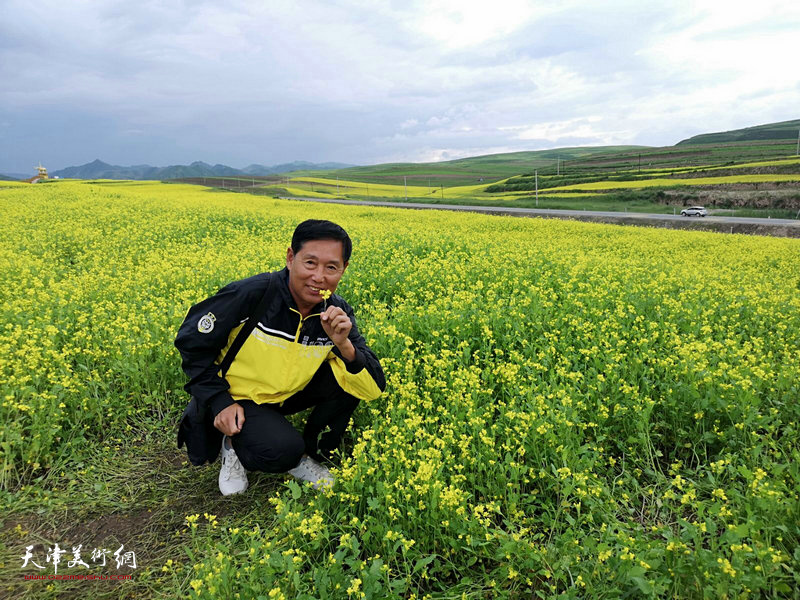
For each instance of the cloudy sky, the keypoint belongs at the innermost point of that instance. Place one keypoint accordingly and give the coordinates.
(364, 82)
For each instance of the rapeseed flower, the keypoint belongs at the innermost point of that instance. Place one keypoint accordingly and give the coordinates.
(599, 391)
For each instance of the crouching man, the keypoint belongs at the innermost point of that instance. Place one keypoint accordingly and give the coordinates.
(272, 345)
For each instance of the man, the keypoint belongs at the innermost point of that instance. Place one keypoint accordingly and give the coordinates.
(303, 350)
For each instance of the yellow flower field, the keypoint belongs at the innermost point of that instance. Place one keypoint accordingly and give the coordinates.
(14, 184)
(762, 163)
(320, 187)
(574, 410)
(301, 186)
(664, 182)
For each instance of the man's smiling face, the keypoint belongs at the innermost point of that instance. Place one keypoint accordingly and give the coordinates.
(318, 265)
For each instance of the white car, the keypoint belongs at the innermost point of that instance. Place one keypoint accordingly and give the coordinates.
(694, 211)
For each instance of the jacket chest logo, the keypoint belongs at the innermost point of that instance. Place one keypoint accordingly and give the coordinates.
(320, 341)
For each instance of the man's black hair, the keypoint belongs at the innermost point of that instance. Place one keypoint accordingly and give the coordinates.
(318, 229)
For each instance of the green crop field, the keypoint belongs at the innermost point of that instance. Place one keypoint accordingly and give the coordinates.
(755, 171)
(469, 171)
(573, 410)
(763, 187)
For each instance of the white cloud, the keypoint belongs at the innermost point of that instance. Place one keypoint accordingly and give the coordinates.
(461, 23)
(437, 121)
(444, 154)
(554, 131)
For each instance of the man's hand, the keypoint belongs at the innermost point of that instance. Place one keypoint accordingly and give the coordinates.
(230, 420)
(337, 326)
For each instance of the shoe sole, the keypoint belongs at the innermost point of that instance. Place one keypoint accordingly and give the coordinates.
(233, 493)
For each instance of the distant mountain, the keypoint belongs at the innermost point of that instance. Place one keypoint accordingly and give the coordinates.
(196, 169)
(298, 165)
(13, 176)
(784, 130)
(97, 169)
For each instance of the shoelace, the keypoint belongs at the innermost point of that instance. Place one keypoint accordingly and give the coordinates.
(317, 470)
(231, 464)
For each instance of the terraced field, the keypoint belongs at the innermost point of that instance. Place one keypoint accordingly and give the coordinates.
(755, 178)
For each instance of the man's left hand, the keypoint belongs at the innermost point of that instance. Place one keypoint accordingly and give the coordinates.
(337, 326)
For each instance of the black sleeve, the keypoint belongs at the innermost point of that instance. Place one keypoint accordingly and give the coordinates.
(205, 332)
(365, 358)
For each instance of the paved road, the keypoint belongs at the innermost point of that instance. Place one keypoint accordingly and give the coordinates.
(564, 214)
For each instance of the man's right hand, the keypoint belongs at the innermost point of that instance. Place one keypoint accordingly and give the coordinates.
(230, 420)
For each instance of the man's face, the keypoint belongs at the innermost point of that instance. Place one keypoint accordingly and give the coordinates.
(318, 265)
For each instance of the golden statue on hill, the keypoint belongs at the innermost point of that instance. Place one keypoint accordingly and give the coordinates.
(41, 175)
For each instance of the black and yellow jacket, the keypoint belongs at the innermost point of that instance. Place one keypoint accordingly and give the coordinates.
(278, 358)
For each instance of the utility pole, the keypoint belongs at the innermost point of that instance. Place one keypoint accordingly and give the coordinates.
(337, 185)
(798, 142)
(536, 175)
(558, 166)
(405, 187)
(640, 163)
(442, 187)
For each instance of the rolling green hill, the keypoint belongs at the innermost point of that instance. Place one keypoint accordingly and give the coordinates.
(785, 130)
(467, 171)
(763, 142)
(758, 174)
(598, 161)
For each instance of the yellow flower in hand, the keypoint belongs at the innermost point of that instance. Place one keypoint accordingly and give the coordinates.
(325, 295)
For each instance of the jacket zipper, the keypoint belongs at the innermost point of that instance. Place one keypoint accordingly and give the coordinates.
(300, 324)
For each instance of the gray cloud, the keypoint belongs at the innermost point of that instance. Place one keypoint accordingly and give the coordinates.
(238, 82)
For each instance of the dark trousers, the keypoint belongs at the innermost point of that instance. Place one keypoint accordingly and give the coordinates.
(269, 442)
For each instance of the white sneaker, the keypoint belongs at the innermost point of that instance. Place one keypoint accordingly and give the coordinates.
(232, 476)
(310, 470)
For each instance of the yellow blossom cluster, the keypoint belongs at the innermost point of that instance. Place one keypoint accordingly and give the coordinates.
(568, 404)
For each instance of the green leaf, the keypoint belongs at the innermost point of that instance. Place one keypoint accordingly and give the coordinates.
(295, 489)
(423, 562)
(636, 571)
(644, 585)
(375, 568)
